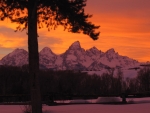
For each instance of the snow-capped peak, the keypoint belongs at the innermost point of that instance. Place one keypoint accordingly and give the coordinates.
(46, 50)
(75, 45)
(75, 58)
(18, 57)
(94, 53)
(111, 51)
(94, 50)
(47, 58)
(17, 51)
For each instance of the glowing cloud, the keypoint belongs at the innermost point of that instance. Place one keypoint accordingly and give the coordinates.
(125, 26)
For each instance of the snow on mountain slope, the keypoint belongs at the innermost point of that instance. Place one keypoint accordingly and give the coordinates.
(113, 59)
(59, 63)
(76, 56)
(47, 57)
(1, 63)
(18, 57)
(94, 53)
(97, 66)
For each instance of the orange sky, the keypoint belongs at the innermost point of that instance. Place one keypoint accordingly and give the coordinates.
(125, 26)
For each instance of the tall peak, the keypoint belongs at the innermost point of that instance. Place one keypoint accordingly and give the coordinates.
(46, 50)
(18, 57)
(75, 45)
(93, 48)
(16, 51)
(110, 50)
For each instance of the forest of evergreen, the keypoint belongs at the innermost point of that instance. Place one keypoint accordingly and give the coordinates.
(15, 81)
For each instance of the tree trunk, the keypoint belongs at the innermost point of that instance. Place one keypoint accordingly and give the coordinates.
(33, 57)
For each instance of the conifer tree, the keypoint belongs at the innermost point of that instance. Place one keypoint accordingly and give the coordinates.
(34, 14)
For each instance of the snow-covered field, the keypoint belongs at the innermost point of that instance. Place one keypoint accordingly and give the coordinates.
(142, 106)
(93, 108)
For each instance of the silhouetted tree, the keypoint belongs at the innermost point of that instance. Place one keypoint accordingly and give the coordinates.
(118, 82)
(106, 83)
(143, 79)
(134, 86)
(30, 13)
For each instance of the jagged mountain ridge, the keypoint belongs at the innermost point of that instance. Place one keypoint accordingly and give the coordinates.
(74, 58)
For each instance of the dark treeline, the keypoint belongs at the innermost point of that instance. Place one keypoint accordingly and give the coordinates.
(15, 80)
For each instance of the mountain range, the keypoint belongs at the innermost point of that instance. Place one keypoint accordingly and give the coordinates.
(74, 58)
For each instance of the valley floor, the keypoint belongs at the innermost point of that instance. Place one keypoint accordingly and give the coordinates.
(98, 108)
(141, 106)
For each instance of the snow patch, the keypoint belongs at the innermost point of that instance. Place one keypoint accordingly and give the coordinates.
(108, 99)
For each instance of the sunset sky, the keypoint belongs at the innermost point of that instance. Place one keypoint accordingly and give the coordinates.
(125, 26)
